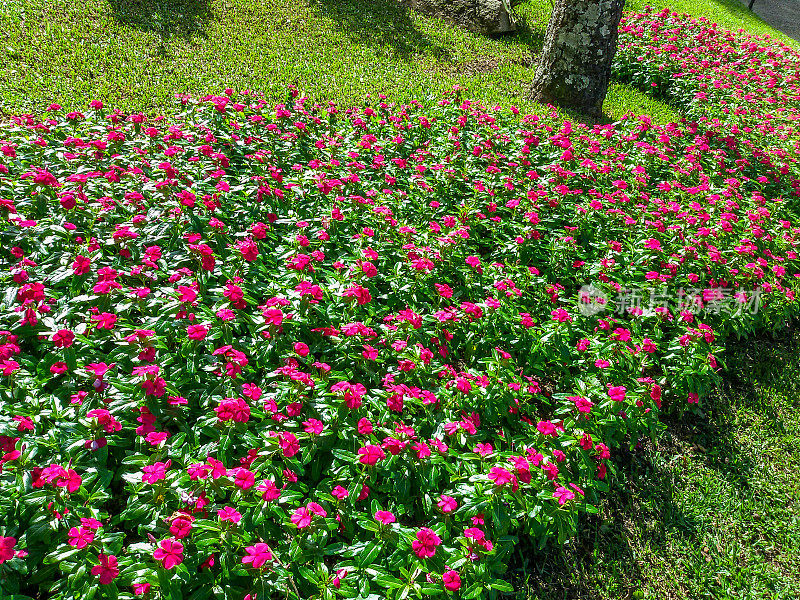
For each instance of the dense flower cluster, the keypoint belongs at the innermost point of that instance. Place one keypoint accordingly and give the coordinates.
(323, 352)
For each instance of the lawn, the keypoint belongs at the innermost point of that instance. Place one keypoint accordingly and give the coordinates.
(709, 510)
(135, 54)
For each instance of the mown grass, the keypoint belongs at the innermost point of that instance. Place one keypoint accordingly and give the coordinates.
(711, 511)
(135, 54)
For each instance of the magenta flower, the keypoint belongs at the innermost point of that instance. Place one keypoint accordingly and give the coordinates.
(244, 479)
(7, 548)
(80, 537)
(562, 494)
(155, 472)
(169, 552)
(425, 544)
(370, 454)
(302, 517)
(502, 476)
(227, 513)
(385, 517)
(107, 570)
(269, 490)
(181, 526)
(451, 580)
(340, 493)
(447, 504)
(257, 555)
(197, 332)
(617, 393)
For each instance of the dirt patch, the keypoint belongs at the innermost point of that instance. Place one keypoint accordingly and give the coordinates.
(479, 66)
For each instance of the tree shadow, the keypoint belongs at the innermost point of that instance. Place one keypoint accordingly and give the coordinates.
(641, 511)
(529, 34)
(641, 506)
(166, 18)
(381, 23)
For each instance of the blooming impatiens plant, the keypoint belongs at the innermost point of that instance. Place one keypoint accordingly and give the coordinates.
(301, 351)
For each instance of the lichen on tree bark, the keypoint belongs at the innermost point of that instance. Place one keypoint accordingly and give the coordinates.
(575, 65)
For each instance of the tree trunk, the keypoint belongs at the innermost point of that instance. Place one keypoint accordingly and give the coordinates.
(575, 65)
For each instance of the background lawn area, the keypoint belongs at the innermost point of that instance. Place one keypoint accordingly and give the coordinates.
(135, 54)
(711, 511)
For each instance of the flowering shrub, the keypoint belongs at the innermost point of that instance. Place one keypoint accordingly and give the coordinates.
(257, 350)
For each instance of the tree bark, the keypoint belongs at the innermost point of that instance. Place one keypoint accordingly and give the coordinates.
(579, 46)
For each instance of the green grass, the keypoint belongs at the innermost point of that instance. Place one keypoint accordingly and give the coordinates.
(711, 511)
(135, 54)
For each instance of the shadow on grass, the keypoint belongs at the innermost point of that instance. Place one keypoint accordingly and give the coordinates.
(642, 510)
(641, 505)
(167, 18)
(381, 23)
(530, 33)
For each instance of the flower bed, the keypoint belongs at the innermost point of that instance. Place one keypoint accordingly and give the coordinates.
(277, 350)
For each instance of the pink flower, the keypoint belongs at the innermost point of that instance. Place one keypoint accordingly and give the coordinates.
(302, 517)
(339, 493)
(693, 398)
(140, 589)
(289, 444)
(447, 504)
(155, 472)
(80, 537)
(105, 320)
(197, 332)
(546, 428)
(451, 580)
(244, 479)
(617, 393)
(652, 244)
(560, 315)
(371, 454)
(385, 517)
(7, 548)
(227, 513)
(273, 316)
(483, 449)
(63, 338)
(562, 494)
(444, 290)
(107, 570)
(301, 348)
(501, 476)
(170, 553)
(181, 526)
(360, 293)
(313, 426)
(257, 555)
(270, 490)
(583, 405)
(425, 544)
